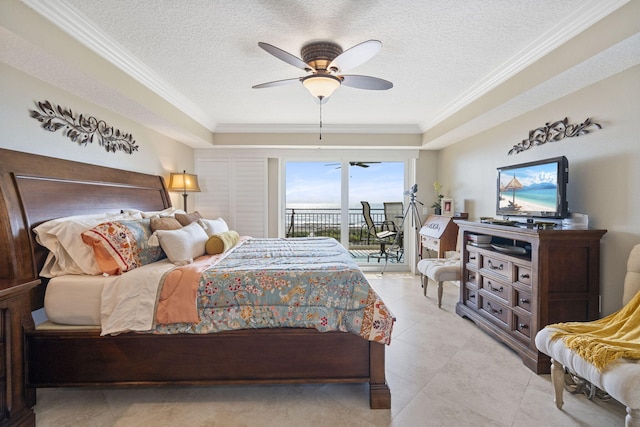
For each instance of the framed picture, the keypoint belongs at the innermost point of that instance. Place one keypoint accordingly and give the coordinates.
(447, 207)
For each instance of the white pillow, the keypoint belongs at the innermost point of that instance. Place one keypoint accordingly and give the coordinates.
(165, 212)
(68, 254)
(213, 226)
(182, 246)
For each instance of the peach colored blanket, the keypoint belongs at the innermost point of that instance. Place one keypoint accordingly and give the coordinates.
(177, 299)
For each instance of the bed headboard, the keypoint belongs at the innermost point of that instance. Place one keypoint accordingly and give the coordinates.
(34, 189)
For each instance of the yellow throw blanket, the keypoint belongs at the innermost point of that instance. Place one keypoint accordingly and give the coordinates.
(606, 340)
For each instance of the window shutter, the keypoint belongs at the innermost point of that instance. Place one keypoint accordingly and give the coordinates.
(236, 190)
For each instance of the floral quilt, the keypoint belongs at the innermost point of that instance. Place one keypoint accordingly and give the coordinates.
(302, 282)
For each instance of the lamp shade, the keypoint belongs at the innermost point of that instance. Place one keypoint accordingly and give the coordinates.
(184, 182)
(321, 86)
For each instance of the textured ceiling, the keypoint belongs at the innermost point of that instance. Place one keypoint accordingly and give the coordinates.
(203, 56)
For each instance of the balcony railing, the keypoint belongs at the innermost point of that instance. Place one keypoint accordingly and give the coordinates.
(327, 222)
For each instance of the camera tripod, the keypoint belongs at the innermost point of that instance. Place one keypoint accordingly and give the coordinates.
(411, 211)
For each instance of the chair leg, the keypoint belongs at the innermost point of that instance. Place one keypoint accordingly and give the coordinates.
(633, 418)
(557, 379)
(425, 282)
(440, 294)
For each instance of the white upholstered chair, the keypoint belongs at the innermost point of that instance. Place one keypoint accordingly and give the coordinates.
(621, 380)
(439, 270)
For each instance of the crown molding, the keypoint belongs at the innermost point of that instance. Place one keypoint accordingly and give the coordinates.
(588, 14)
(314, 128)
(78, 26)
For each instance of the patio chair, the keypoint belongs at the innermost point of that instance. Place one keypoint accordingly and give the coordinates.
(380, 231)
(394, 252)
(393, 214)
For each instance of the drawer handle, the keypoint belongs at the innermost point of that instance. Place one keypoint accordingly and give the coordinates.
(472, 277)
(523, 326)
(494, 311)
(494, 267)
(524, 301)
(525, 276)
(500, 289)
(472, 257)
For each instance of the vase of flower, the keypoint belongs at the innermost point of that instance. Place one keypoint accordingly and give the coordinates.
(437, 205)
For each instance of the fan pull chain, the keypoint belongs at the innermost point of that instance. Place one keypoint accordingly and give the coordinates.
(321, 116)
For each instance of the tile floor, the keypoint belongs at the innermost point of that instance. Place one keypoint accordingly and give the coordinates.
(442, 370)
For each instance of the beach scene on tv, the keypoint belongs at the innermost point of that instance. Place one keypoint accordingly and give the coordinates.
(529, 189)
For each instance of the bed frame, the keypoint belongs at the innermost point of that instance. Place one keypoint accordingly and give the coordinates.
(36, 188)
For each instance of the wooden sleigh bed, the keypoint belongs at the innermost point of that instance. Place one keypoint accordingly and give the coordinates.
(34, 189)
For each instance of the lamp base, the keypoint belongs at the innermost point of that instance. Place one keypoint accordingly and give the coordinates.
(184, 195)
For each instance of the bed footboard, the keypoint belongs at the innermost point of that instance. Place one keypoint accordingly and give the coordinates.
(260, 356)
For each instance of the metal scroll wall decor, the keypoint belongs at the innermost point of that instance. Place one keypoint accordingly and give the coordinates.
(83, 129)
(553, 132)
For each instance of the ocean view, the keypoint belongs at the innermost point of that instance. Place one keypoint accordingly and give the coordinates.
(315, 207)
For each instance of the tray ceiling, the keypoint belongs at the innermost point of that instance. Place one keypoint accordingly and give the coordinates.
(203, 57)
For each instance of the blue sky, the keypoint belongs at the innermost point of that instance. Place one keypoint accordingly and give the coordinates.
(531, 175)
(319, 183)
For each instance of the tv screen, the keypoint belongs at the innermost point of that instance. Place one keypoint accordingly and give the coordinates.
(534, 189)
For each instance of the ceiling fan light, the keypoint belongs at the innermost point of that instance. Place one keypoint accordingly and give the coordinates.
(321, 86)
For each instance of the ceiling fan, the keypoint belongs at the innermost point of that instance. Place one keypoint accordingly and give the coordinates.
(326, 61)
(359, 164)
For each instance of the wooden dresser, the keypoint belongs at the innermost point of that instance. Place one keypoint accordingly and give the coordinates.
(438, 234)
(528, 279)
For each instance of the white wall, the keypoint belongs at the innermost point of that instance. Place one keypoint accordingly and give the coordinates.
(604, 167)
(157, 154)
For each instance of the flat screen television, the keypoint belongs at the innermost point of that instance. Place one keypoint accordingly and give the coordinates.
(535, 189)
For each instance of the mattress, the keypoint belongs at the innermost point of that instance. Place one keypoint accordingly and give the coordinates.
(74, 299)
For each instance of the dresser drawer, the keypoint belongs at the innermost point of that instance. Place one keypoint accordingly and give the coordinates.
(523, 327)
(431, 243)
(471, 277)
(470, 297)
(523, 300)
(473, 258)
(498, 266)
(495, 310)
(497, 289)
(523, 275)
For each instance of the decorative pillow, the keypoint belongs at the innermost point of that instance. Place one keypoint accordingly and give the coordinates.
(213, 226)
(164, 223)
(67, 252)
(184, 245)
(188, 218)
(120, 246)
(222, 242)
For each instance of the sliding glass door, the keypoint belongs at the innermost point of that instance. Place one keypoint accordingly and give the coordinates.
(346, 200)
(313, 200)
(376, 212)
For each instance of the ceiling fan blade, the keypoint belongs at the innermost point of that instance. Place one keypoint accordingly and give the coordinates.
(276, 83)
(366, 82)
(356, 55)
(362, 164)
(285, 56)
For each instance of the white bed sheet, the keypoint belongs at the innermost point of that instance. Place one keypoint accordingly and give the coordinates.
(84, 300)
